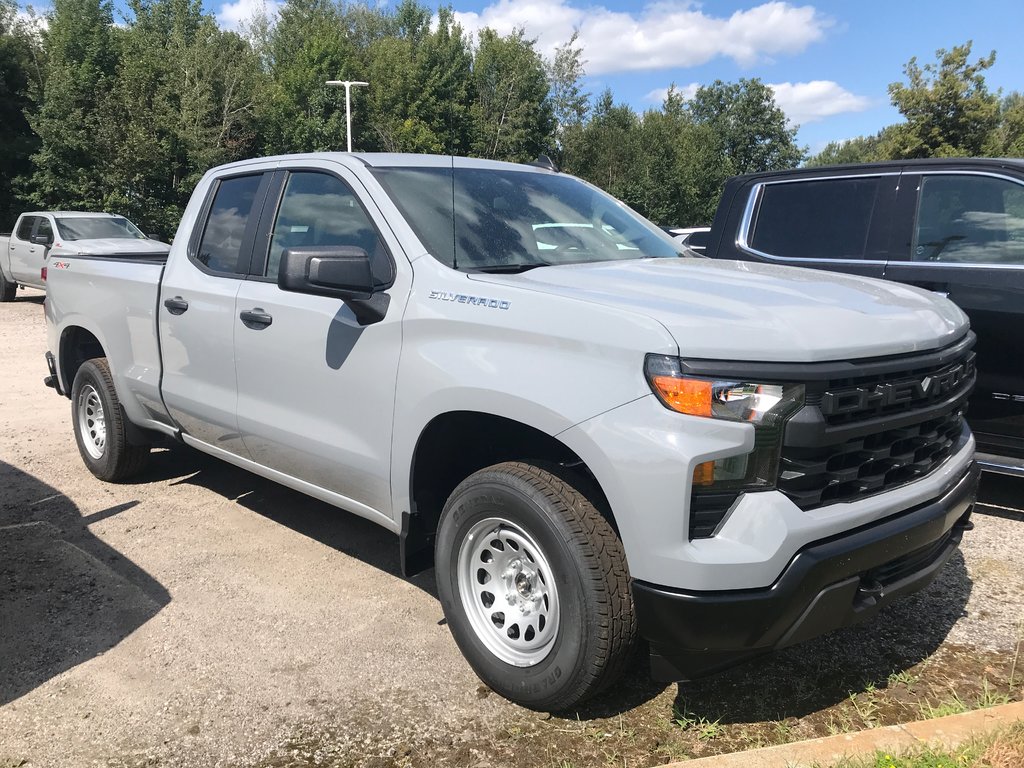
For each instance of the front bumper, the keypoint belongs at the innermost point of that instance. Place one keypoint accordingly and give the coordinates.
(828, 584)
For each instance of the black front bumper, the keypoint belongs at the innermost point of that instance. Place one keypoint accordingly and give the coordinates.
(828, 584)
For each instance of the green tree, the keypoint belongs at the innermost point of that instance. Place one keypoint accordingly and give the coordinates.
(570, 103)
(511, 112)
(82, 57)
(1008, 139)
(19, 72)
(752, 130)
(863, 149)
(948, 108)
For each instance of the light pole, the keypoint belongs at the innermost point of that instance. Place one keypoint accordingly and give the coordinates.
(348, 105)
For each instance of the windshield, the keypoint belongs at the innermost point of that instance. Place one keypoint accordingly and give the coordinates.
(98, 228)
(509, 220)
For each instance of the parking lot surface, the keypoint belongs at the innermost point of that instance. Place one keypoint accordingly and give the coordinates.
(204, 616)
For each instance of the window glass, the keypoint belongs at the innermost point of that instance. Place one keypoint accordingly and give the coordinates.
(971, 219)
(98, 227)
(44, 229)
(827, 219)
(25, 228)
(497, 220)
(220, 248)
(320, 210)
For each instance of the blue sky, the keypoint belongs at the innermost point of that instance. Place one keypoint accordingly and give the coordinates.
(830, 62)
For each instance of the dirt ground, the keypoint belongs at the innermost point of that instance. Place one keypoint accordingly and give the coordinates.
(204, 616)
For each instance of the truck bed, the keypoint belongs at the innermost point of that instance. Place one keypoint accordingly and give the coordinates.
(115, 299)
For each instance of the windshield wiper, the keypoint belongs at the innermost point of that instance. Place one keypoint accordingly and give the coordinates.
(510, 269)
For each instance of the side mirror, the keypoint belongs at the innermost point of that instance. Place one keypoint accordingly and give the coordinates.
(42, 240)
(341, 272)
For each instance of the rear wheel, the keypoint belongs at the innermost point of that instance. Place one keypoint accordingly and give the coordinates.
(534, 585)
(100, 427)
(7, 288)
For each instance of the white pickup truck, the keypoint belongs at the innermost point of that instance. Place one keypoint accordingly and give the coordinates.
(40, 235)
(591, 439)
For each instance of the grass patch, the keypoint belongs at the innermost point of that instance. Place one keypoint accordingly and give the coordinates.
(1000, 749)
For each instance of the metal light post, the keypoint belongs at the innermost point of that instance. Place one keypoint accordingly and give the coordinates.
(348, 105)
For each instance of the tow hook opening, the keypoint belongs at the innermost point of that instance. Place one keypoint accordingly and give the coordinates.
(868, 593)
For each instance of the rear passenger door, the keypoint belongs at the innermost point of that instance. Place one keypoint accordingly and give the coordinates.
(24, 253)
(837, 223)
(962, 235)
(197, 316)
(315, 388)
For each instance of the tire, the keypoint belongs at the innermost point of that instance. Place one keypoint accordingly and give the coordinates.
(7, 288)
(99, 425)
(555, 566)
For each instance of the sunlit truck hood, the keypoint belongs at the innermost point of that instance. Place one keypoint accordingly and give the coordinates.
(744, 311)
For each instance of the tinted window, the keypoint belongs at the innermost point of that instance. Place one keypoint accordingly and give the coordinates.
(220, 248)
(25, 228)
(44, 229)
(493, 219)
(815, 219)
(975, 219)
(320, 210)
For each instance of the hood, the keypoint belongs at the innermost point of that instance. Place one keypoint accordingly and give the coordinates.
(110, 246)
(734, 310)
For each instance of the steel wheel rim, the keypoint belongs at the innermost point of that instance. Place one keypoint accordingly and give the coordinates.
(92, 425)
(508, 592)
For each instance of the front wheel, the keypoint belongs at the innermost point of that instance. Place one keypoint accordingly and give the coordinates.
(534, 585)
(100, 427)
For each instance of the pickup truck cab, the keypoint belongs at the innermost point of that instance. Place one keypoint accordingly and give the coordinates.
(954, 226)
(39, 235)
(591, 439)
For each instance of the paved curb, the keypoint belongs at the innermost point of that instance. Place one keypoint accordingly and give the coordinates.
(943, 732)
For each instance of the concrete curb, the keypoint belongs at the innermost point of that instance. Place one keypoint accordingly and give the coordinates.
(942, 732)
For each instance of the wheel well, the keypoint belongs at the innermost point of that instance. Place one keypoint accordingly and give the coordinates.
(76, 346)
(455, 445)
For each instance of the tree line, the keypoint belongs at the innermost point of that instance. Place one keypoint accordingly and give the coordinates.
(127, 116)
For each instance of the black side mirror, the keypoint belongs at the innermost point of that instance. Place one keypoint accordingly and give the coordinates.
(341, 272)
(42, 240)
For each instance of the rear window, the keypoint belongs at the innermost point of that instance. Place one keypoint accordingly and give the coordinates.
(825, 219)
(220, 249)
(25, 228)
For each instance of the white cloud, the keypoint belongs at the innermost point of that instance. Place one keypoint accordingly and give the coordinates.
(809, 102)
(241, 13)
(658, 95)
(661, 35)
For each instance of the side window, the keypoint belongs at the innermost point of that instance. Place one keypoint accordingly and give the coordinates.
(221, 245)
(969, 219)
(827, 219)
(25, 228)
(44, 228)
(318, 209)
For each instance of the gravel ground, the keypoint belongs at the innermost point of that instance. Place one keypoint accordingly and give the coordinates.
(204, 616)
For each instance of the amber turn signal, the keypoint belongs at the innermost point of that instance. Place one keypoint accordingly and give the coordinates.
(692, 396)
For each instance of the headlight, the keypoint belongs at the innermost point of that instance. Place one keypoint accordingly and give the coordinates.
(766, 405)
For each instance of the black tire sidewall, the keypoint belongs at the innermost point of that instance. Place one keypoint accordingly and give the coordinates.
(88, 373)
(556, 677)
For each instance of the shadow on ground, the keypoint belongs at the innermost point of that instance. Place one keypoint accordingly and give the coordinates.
(65, 595)
(342, 531)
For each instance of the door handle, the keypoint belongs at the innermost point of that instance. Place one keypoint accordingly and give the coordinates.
(176, 306)
(256, 318)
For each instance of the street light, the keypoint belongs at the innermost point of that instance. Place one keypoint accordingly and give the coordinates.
(348, 106)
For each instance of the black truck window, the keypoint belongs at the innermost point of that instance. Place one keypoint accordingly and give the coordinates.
(221, 246)
(970, 219)
(819, 219)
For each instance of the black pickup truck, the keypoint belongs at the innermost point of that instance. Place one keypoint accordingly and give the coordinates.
(953, 226)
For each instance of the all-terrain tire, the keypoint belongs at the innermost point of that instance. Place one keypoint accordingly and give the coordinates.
(100, 427)
(517, 541)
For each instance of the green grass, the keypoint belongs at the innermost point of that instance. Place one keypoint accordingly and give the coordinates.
(999, 749)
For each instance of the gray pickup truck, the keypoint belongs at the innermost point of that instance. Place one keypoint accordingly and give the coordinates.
(591, 439)
(40, 235)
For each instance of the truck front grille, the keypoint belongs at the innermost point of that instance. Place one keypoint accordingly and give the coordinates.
(891, 424)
